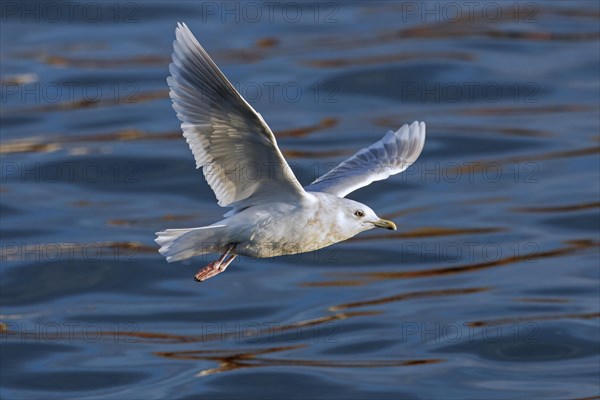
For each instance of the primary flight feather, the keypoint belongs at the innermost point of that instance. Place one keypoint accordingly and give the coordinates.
(271, 213)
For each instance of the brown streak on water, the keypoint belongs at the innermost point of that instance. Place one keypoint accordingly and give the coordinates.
(37, 144)
(425, 233)
(231, 360)
(566, 208)
(575, 246)
(409, 296)
(378, 59)
(552, 317)
(478, 166)
(61, 61)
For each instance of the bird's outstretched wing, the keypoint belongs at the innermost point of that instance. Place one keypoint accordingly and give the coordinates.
(232, 143)
(389, 156)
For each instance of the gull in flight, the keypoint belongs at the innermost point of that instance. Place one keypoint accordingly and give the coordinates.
(272, 214)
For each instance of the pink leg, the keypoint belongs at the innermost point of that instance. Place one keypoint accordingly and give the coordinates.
(215, 267)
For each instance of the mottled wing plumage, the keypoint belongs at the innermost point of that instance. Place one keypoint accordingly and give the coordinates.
(389, 156)
(234, 146)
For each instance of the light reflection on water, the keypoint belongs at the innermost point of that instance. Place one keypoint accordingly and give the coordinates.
(490, 283)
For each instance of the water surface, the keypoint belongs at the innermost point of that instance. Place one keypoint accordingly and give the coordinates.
(489, 288)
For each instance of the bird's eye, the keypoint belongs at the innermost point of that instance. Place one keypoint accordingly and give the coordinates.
(359, 213)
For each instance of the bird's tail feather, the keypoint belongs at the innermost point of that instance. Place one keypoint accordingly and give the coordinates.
(180, 244)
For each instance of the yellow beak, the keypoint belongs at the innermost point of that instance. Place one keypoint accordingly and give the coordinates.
(384, 223)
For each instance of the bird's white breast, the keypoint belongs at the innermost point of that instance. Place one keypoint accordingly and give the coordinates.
(281, 228)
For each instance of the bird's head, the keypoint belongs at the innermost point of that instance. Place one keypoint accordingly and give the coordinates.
(357, 217)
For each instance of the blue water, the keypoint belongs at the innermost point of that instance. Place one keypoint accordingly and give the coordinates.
(489, 288)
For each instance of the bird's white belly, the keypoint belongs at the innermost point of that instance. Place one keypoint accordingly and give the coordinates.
(284, 231)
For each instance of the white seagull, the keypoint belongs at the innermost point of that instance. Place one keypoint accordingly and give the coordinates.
(272, 214)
